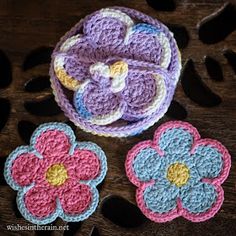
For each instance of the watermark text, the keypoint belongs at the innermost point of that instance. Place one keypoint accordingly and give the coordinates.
(18, 227)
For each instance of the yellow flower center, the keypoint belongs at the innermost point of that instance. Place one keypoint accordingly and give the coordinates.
(118, 69)
(178, 174)
(56, 174)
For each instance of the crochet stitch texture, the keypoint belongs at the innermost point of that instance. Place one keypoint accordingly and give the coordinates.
(122, 66)
(178, 173)
(55, 176)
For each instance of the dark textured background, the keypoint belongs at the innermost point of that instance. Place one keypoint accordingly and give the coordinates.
(28, 32)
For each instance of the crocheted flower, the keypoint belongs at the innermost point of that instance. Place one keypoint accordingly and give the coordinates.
(56, 176)
(118, 68)
(178, 174)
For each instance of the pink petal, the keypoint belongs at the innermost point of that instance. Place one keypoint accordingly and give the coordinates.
(25, 168)
(40, 202)
(87, 164)
(52, 143)
(75, 198)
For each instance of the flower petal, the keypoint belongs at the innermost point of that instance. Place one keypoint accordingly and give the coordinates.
(168, 205)
(194, 176)
(107, 28)
(148, 165)
(98, 104)
(53, 139)
(154, 46)
(161, 197)
(62, 74)
(69, 43)
(87, 164)
(76, 68)
(21, 168)
(136, 161)
(144, 92)
(176, 137)
(75, 198)
(78, 48)
(158, 201)
(140, 49)
(40, 202)
(201, 202)
(98, 156)
(199, 198)
(24, 169)
(212, 159)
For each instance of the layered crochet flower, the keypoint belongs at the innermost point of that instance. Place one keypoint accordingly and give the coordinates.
(178, 174)
(118, 68)
(55, 176)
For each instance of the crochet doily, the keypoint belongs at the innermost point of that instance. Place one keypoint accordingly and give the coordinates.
(121, 66)
(178, 173)
(55, 175)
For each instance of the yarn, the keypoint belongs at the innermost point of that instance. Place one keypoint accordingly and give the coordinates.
(178, 173)
(122, 66)
(55, 176)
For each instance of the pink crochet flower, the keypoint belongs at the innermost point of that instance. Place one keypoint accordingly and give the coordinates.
(55, 175)
(178, 173)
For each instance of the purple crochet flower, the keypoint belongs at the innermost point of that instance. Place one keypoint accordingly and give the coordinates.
(117, 67)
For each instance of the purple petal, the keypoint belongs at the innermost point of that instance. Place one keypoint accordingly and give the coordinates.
(104, 31)
(99, 100)
(144, 47)
(76, 68)
(140, 93)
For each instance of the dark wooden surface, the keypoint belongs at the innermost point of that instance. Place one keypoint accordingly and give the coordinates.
(26, 25)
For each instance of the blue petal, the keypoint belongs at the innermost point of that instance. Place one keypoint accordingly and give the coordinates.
(208, 161)
(198, 198)
(146, 28)
(176, 141)
(194, 176)
(161, 197)
(80, 107)
(148, 165)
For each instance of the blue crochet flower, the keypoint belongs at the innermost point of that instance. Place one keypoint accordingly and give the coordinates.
(178, 174)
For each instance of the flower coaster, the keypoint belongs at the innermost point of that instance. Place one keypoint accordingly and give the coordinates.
(55, 176)
(115, 72)
(178, 173)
